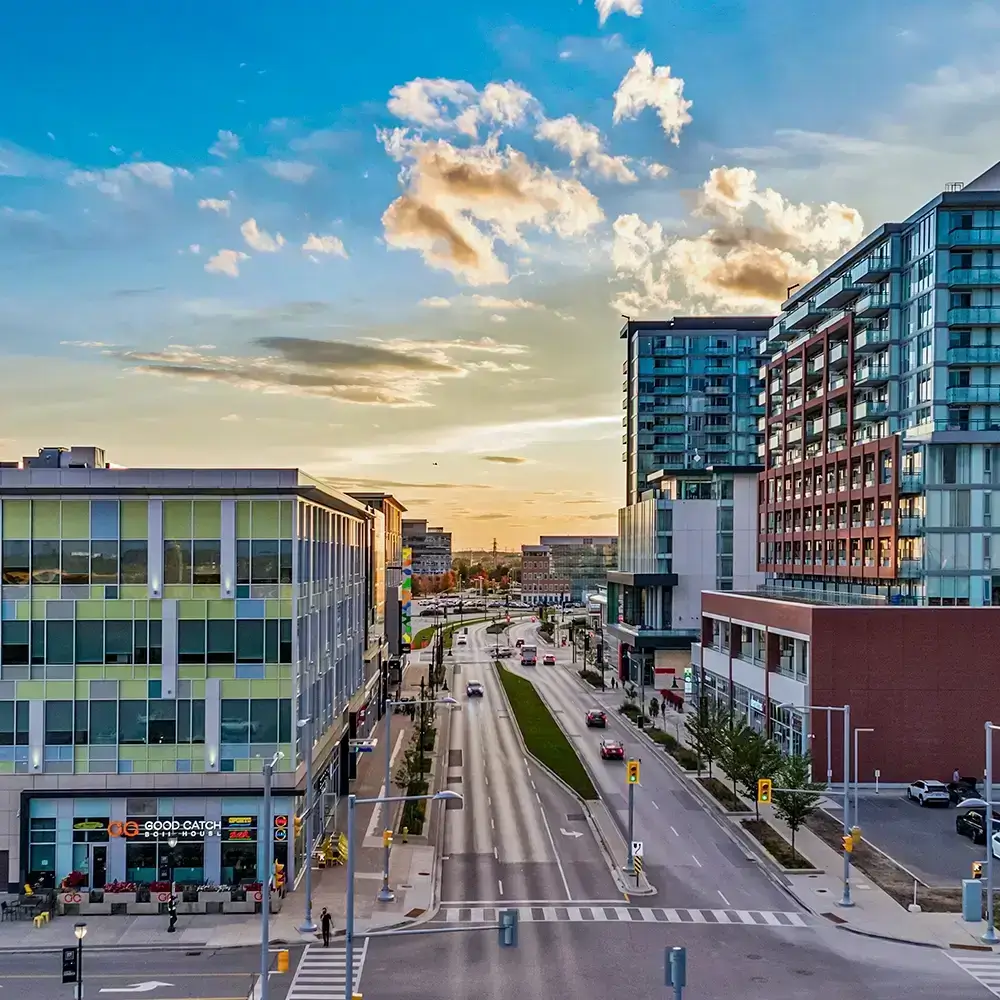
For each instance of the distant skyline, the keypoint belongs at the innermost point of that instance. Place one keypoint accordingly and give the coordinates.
(390, 245)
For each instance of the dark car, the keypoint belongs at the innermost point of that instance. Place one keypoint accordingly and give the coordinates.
(612, 750)
(971, 823)
(596, 719)
(474, 689)
(964, 788)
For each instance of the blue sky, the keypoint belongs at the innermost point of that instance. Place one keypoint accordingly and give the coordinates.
(266, 221)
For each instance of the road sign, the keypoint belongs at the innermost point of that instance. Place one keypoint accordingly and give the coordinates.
(878, 773)
(636, 848)
(69, 967)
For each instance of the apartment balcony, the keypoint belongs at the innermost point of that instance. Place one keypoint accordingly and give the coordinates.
(761, 450)
(911, 482)
(814, 428)
(837, 420)
(838, 356)
(762, 424)
(774, 440)
(836, 442)
(871, 409)
(972, 394)
(974, 237)
(794, 375)
(910, 569)
(816, 365)
(813, 449)
(872, 269)
(873, 304)
(762, 398)
(717, 390)
(793, 435)
(838, 293)
(976, 316)
(762, 373)
(814, 392)
(780, 333)
(872, 339)
(866, 376)
(804, 316)
(836, 382)
(911, 527)
(974, 277)
(974, 355)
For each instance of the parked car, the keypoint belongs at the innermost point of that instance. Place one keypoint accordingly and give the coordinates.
(929, 793)
(549, 660)
(612, 750)
(971, 823)
(474, 689)
(596, 719)
(964, 788)
(996, 846)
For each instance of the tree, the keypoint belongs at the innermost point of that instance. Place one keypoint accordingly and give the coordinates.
(654, 709)
(733, 738)
(759, 758)
(800, 801)
(707, 729)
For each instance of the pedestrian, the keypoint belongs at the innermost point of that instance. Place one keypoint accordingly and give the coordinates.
(326, 923)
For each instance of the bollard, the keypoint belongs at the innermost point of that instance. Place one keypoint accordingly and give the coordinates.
(404, 832)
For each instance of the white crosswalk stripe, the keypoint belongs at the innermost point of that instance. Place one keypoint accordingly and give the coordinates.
(985, 969)
(625, 914)
(322, 972)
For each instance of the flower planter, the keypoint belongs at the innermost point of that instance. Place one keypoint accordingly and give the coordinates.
(95, 909)
(143, 908)
(215, 897)
(246, 906)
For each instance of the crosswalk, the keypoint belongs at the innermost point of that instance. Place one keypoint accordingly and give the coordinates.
(985, 969)
(322, 972)
(624, 914)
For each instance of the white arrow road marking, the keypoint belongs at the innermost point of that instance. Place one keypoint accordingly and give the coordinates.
(136, 987)
(570, 833)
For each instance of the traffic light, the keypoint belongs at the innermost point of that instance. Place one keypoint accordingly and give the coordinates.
(632, 772)
(848, 842)
(387, 838)
(764, 791)
(977, 869)
(855, 835)
(508, 928)
(297, 824)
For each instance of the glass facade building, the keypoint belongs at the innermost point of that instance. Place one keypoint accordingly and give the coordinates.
(582, 560)
(883, 413)
(162, 632)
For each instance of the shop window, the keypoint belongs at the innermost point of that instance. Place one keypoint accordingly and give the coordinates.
(249, 641)
(162, 722)
(191, 640)
(235, 720)
(59, 723)
(6, 723)
(103, 563)
(44, 562)
(76, 562)
(141, 861)
(42, 847)
(132, 720)
(222, 641)
(134, 561)
(16, 563)
(118, 641)
(239, 861)
(58, 642)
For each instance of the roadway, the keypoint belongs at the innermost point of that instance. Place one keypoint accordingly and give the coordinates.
(688, 856)
(519, 836)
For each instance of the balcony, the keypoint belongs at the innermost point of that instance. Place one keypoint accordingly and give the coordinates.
(871, 409)
(717, 390)
(872, 269)
(762, 373)
(838, 293)
(762, 398)
(815, 365)
(837, 420)
(872, 339)
(794, 375)
(974, 237)
(911, 527)
(814, 428)
(837, 382)
(803, 317)
(976, 316)
(910, 569)
(869, 375)
(780, 333)
(911, 482)
(838, 355)
(974, 355)
(793, 435)
(873, 304)
(972, 394)
(814, 392)
(774, 441)
(972, 277)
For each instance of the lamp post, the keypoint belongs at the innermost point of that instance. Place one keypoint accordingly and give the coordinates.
(305, 728)
(80, 930)
(265, 882)
(352, 803)
(385, 894)
(990, 937)
(857, 758)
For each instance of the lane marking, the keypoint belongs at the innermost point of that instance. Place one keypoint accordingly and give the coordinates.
(724, 900)
(674, 832)
(555, 853)
(532, 784)
(500, 886)
(538, 798)
(492, 824)
(696, 861)
(655, 806)
(496, 854)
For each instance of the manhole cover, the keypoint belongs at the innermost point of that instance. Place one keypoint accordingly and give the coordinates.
(754, 957)
(457, 778)
(575, 817)
(415, 912)
(822, 890)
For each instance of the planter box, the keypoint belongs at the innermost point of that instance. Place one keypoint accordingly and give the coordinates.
(119, 897)
(247, 906)
(94, 909)
(153, 907)
(183, 907)
(215, 897)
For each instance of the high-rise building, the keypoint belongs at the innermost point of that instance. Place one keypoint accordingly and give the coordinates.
(431, 547)
(690, 391)
(883, 413)
(163, 632)
(583, 560)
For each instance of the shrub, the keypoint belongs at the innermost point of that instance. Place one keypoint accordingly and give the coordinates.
(723, 795)
(775, 844)
(592, 677)
(688, 760)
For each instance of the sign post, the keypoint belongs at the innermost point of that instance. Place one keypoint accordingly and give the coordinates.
(637, 860)
(878, 774)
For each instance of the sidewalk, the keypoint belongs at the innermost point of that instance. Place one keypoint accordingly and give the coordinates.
(411, 875)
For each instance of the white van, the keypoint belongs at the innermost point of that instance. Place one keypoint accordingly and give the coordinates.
(461, 640)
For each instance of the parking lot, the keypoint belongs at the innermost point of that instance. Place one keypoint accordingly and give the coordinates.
(922, 840)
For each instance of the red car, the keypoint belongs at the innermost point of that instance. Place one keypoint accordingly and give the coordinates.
(612, 750)
(549, 660)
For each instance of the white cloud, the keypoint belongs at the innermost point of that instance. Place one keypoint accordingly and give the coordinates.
(118, 180)
(226, 143)
(497, 318)
(646, 86)
(605, 8)
(195, 248)
(496, 303)
(656, 170)
(325, 244)
(231, 418)
(436, 302)
(293, 171)
(455, 104)
(583, 143)
(226, 262)
(220, 205)
(259, 239)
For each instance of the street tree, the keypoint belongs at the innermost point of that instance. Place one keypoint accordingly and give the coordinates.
(798, 796)
(733, 740)
(760, 757)
(707, 730)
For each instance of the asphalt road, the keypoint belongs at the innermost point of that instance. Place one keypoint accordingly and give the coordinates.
(573, 960)
(206, 975)
(688, 856)
(518, 837)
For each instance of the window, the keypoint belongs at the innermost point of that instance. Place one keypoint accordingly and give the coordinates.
(176, 562)
(162, 722)
(207, 562)
(104, 563)
(222, 641)
(82, 730)
(22, 719)
(6, 723)
(118, 639)
(242, 561)
(59, 723)
(76, 562)
(16, 563)
(249, 641)
(264, 561)
(235, 720)
(961, 508)
(104, 519)
(132, 716)
(37, 642)
(155, 641)
(58, 642)
(44, 562)
(263, 720)
(134, 561)
(190, 641)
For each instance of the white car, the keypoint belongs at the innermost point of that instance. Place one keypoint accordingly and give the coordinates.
(929, 793)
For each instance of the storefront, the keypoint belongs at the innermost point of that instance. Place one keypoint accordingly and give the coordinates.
(190, 840)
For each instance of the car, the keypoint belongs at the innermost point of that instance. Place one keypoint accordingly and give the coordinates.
(964, 788)
(596, 719)
(995, 843)
(519, 643)
(612, 750)
(971, 823)
(474, 689)
(549, 660)
(505, 651)
(929, 793)
(461, 640)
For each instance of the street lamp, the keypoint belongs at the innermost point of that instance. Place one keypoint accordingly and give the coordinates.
(265, 882)
(857, 758)
(846, 709)
(305, 728)
(80, 930)
(990, 937)
(385, 894)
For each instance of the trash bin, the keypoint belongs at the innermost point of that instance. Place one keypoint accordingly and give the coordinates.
(972, 900)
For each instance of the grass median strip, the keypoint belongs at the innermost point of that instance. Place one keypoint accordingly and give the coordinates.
(542, 735)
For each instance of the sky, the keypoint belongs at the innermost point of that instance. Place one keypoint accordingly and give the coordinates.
(390, 243)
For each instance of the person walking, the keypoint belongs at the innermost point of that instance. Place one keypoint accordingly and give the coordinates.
(326, 923)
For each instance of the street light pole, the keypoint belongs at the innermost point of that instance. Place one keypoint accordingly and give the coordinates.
(80, 930)
(306, 728)
(265, 882)
(857, 759)
(990, 937)
(847, 901)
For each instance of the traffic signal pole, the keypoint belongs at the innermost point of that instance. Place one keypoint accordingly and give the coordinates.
(632, 777)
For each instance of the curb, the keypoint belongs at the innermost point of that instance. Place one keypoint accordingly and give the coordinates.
(895, 940)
